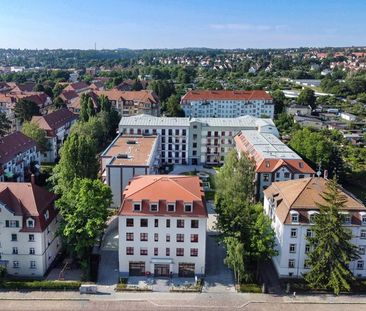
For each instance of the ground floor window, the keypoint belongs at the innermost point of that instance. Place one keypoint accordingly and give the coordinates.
(186, 269)
(136, 268)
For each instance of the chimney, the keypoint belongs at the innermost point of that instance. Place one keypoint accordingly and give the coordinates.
(33, 179)
(325, 174)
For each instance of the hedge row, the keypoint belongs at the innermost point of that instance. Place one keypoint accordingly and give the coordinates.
(40, 285)
(250, 288)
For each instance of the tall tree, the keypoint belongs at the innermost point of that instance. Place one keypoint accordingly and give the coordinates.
(4, 124)
(33, 131)
(84, 211)
(307, 97)
(172, 107)
(235, 258)
(84, 107)
(331, 247)
(136, 85)
(278, 101)
(25, 109)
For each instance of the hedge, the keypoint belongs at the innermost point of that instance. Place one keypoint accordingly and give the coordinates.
(40, 285)
(250, 288)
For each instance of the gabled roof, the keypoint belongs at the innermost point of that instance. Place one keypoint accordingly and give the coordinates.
(303, 194)
(12, 144)
(68, 95)
(226, 95)
(145, 96)
(54, 120)
(77, 86)
(164, 189)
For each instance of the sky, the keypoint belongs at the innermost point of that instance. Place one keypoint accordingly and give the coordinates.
(140, 24)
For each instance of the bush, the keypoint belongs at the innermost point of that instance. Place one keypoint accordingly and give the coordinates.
(250, 288)
(3, 272)
(40, 285)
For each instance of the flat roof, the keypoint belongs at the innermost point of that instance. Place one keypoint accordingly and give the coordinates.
(131, 150)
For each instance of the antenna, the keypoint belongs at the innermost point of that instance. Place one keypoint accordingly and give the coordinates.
(95, 46)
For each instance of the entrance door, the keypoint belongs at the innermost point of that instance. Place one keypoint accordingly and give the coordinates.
(137, 268)
(186, 270)
(161, 270)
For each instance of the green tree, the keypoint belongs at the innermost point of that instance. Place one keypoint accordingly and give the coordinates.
(33, 131)
(331, 247)
(58, 102)
(58, 88)
(136, 85)
(4, 124)
(285, 123)
(84, 211)
(235, 258)
(104, 103)
(25, 109)
(85, 107)
(77, 160)
(278, 101)
(172, 107)
(307, 97)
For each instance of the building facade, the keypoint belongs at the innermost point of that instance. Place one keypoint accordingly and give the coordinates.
(57, 126)
(274, 161)
(193, 140)
(17, 153)
(227, 104)
(162, 227)
(28, 224)
(291, 205)
(126, 157)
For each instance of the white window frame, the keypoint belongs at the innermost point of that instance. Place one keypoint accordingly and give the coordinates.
(170, 204)
(293, 230)
(30, 221)
(154, 204)
(135, 204)
(191, 207)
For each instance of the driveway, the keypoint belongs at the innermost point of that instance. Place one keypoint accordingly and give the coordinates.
(219, 278)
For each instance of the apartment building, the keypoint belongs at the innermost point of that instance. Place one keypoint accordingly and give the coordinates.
(17, 153)
(162, 227)
(227, 104)
(28, 229)
(274, 161)
(57, 126)
(126, 157)
(130, 103)
(291, 205)
(193, 140)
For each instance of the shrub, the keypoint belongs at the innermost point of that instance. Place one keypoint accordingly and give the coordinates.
(40, 285)
(250, 288)
(3, 272)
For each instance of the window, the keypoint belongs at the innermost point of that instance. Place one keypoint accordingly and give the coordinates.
(32, 251)
(277, 175)
(293, 232)
(301, 176)
(180, 237)
(129, 236)
(143, 236)
(295, 217)
(287, 175)
(156, 237)
(129, 250)
(312, 218)
(361, 250)
(15, 264)
(30, 223)
(265, 177)
(194, 238)
(167, 251)
(14, 237)
(47, 215)
(194, 223)
(194, 252)
(31, 238)
(32, 264)
(346, 218)
(360, 265)
(292, 248)
(307, 248)
(129, 222)
(308, 233)
(12, 223)
(156, 251)
(15, 250)
(167, 238)
(188, 208)
(180, 252)
(153, 207)
(137, 207)
(363, 219)
(143, 251)
(363, 234)
(306, 264)
(171, 207)
(180, 223)
(291, 263)
(168, 223)
(156, 223)
(143, 222)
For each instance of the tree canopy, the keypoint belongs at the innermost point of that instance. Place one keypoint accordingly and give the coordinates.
(33, 131)
(4, 124)
(25, 109)
(307, 97)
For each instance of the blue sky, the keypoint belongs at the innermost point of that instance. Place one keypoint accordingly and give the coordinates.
(138, 24)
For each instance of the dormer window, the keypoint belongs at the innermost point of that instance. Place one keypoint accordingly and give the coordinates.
(346, 217)
(30, 223)
(294, 216)
(188, 208)
(312, 216)
(154, 207)
(363, 217)
(47, 215)
(267, 164)
(137, 206)
(301, 164)
(171, 207)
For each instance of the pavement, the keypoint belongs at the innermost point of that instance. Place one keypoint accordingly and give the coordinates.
(179, 169)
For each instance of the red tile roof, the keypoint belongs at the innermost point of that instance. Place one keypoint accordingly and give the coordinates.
(13, 144)
(76, 86)
(226, 95)
(54, 120)
(145, 96)
(164, 189)
(294, 165)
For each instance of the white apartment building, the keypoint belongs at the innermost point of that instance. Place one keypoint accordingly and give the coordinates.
(28, 229)
(274, 161)
(162, 227)
(193, 140)
(17, 153)
(227, 104)
(126, 157)
(57, 126)
(291, 205)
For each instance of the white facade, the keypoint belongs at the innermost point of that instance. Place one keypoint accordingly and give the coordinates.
(162, 247)
(24, 251)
